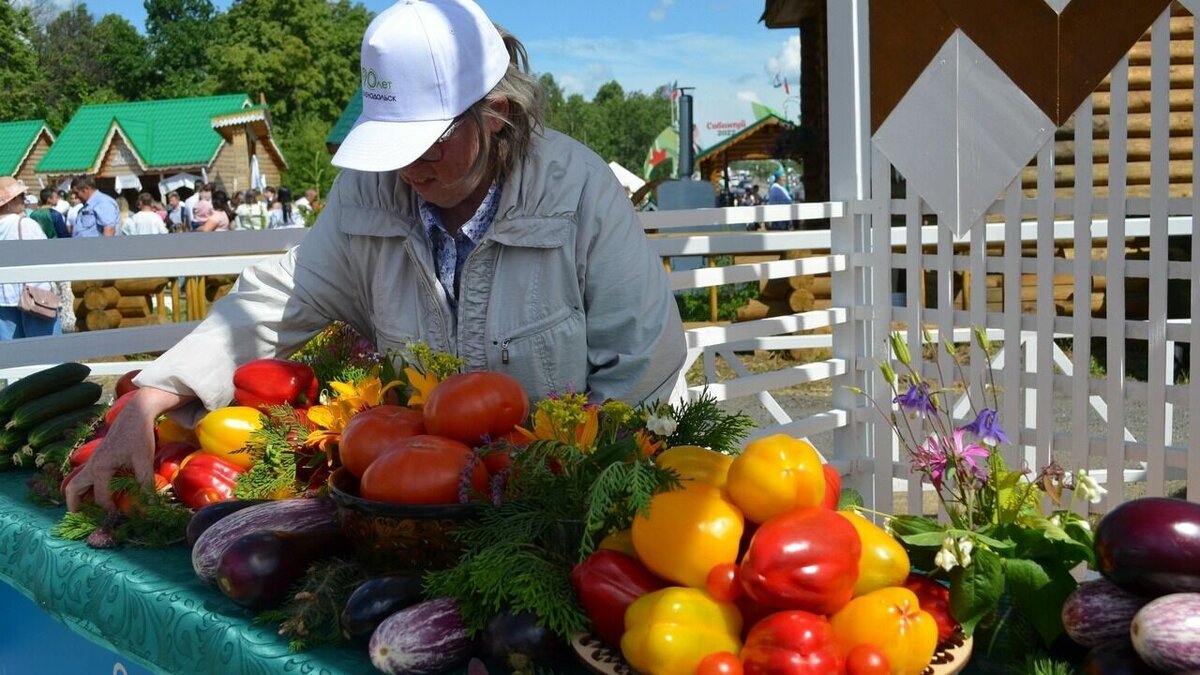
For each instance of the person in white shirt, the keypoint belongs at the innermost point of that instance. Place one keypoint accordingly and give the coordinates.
(73, 212)
(146, 220)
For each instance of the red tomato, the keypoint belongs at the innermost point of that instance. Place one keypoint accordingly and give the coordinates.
(423, 469)
(719, 663)
(867, 659)
(373, 432)
(130, 503)
(724, 582)
(476, 407)
(125, 384)
(115, 409)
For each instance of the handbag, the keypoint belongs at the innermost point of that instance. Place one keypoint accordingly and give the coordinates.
(37, 301)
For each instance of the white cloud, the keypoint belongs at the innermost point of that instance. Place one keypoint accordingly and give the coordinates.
(748, 96)
(787, 62)
(659, 13)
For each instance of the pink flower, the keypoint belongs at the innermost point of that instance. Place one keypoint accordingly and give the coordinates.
(934, 456)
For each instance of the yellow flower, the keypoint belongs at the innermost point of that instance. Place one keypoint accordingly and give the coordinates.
(422, 385)
(569, 419)
(350, 399)
(647, 443)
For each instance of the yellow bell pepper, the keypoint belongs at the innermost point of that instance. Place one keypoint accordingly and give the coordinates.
(669, 631)
(168, 430)
(621, 541)
(695, 464)
(892, 620)
(225, 431)
(883, 561)
(774, 475)
(687, 532)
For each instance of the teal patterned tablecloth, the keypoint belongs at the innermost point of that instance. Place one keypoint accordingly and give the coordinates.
(144, 604)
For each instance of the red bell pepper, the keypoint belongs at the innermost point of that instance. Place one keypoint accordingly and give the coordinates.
(607, 582)
(267, 382)
(792, 643)
(204, 479)
(806, 558)
(935, 599)
(168, 457)
(833, 487)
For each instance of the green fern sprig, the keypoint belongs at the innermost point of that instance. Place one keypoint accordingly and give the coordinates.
(272, 448)
(702, 422)
(312, 613)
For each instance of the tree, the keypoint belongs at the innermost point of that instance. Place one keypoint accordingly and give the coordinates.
(303, 144)
(69, 65)
(19, 76)
(179, 33)
(301, 55)
(123, 56)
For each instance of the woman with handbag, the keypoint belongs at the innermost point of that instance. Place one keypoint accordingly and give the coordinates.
(30, 309)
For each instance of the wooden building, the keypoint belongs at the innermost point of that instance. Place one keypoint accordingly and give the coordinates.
(140, 145)
(22, 145)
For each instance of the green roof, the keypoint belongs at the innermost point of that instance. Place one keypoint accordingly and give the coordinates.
(758, 124)
(16, 139)
(169, 133)
(346, 122)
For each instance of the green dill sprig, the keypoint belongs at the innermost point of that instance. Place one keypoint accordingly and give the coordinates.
(152, 522)
(273, 473)
(312, 613)
(702, 422)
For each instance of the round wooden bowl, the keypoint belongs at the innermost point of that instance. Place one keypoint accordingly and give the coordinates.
(950, 657)
(390, 538)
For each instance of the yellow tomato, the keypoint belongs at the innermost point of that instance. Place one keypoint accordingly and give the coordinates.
(686, 533)
(225, 431)
(774, 475)
(883, 561)
(695, 464)
(892, 620)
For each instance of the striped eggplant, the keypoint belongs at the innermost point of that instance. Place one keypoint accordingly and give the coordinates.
(280, 515)
(1099, 611)
(422, 639)
(1166, 633)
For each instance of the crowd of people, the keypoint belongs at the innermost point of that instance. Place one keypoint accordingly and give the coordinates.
(86, 211)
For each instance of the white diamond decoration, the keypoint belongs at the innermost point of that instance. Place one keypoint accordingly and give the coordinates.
(962, 133)
(1058, 5)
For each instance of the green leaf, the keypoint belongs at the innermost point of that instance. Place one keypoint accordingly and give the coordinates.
(930, 539)
(848, 499)
(1039, 592)
(975, 590)
(907, 524)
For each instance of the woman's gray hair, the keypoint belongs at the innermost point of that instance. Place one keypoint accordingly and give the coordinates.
(508, 147)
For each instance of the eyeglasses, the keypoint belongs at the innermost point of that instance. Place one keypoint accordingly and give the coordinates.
(435, 151)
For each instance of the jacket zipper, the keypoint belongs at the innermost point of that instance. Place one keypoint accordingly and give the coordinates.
(504, 350)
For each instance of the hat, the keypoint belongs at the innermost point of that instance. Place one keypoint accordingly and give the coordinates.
(424, 62)
(10, 189)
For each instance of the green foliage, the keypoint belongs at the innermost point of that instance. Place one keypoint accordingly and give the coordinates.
(695, 305)
(702, 422)
(123, 57)
(273, 474)
(20, 72)
(180, 34)
(312, 613)
(303, 144)
(301, 55)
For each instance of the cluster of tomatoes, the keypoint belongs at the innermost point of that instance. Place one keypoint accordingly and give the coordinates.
(427, 456)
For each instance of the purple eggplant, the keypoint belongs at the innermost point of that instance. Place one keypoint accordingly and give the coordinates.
(375, 600)
(1100, 611)
(1116, 657)
(259, 569)
(422, 639)
(516, 642)
(1151, 546)
(209, 514)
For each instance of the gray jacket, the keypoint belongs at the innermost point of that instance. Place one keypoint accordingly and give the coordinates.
(564, 291)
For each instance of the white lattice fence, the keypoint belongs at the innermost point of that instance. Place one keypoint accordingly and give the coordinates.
(1122, 410)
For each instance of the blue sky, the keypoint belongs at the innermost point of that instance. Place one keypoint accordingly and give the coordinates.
(719, 47)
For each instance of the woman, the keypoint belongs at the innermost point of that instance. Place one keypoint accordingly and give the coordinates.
(14, 225)
(459, 222)
(286, 214)
(222, 215)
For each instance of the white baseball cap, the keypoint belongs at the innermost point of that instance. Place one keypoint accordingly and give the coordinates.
(424, 62)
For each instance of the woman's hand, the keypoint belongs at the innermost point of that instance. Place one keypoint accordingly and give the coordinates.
(128, 443)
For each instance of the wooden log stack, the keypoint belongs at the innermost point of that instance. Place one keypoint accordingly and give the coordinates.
(122, 303)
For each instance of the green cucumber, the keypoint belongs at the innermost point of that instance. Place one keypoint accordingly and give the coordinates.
(41, 383)
(11, 440)
(32, 413)
(58, 428)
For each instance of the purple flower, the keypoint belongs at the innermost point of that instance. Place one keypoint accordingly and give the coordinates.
(986, 428)
(916, 399)
(969, 455)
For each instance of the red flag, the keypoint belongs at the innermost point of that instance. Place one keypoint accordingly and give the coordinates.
(786, 89)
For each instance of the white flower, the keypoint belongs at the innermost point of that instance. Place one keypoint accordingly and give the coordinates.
(663, 425)
(1056, 521)
(965, 546)
(887, 526)
(1088, 488)
(945, 559)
